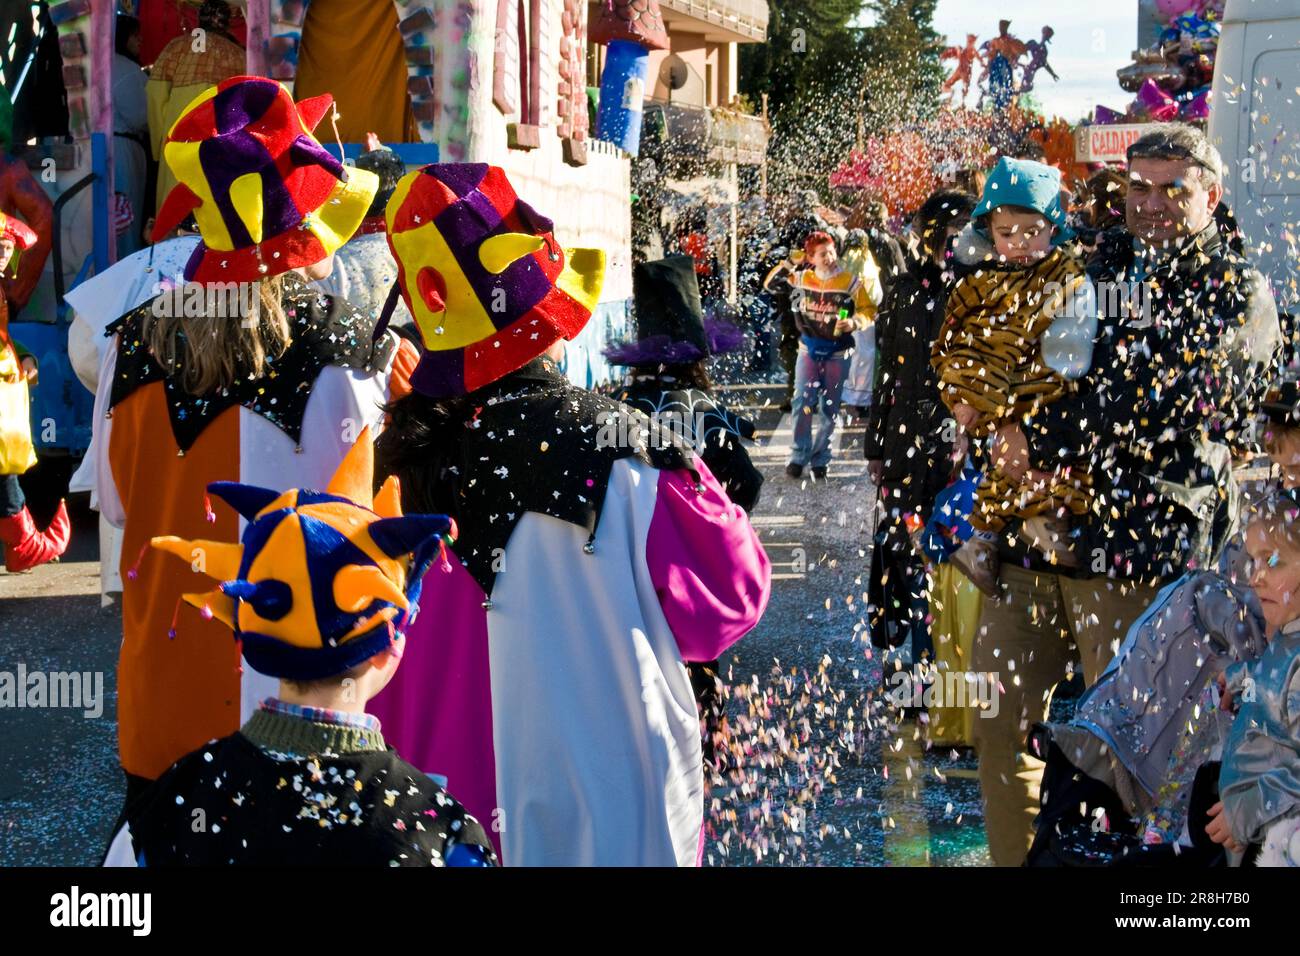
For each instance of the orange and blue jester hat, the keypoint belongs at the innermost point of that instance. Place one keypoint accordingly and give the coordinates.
(266, 195)
(489, 286)
(323, 580)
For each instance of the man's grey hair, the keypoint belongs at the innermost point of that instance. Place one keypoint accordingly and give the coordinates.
(1180, 141)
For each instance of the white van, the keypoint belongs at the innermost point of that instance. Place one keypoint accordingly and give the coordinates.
(1255, 123)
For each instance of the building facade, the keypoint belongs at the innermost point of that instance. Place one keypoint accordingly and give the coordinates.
(492, 81)
(698, 134)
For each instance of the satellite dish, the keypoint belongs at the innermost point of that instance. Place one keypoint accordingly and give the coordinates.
(674, 73)
(678, 83)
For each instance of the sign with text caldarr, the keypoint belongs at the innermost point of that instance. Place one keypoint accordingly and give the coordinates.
(1106, 144)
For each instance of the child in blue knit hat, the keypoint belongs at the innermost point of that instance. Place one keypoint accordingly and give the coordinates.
(1018, 332)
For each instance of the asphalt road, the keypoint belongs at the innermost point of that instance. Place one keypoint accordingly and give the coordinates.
(824, 772)
(60, 785)
(821, 771)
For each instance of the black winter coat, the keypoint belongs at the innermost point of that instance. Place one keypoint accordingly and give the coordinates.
(257, 808)
(888, 255)
(708, 426)
(906, 429)
(1172, 391)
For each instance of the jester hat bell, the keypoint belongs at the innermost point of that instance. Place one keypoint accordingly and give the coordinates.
(322, 581)
(266, 195)
(483, 275)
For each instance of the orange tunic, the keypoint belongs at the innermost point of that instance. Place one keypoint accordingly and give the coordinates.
(174, 695)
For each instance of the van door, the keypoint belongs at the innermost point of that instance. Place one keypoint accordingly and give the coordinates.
(1267, 203)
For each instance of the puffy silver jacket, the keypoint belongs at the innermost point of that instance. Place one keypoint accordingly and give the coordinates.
(1196, 627)
(1260, 778)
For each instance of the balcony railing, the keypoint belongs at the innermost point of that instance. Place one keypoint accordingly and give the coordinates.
(737, 138)
(718, 135)
(745, 17)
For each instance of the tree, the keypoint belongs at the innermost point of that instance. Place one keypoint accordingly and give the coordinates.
(803, 39)
(1029, 103)
(903, 74)
(832, 84)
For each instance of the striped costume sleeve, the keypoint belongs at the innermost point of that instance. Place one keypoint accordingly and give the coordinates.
(988, 354)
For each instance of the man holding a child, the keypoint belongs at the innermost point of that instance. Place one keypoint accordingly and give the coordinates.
(1175, 382)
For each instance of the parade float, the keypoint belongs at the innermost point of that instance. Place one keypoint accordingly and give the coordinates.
(901, 166)
(75, 171)
(1170, 77)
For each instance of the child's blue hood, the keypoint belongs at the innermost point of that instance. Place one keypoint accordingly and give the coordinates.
(1023, 182)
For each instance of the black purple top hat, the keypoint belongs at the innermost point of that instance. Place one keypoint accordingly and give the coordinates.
(671, 328)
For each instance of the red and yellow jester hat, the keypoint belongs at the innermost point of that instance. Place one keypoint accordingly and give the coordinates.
(322, 580)
(20, 234)
(482, 273)
(266, 195)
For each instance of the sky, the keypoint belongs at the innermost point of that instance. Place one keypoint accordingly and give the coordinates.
(1093, 39)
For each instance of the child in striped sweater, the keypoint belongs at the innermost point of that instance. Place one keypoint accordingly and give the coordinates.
(830, 305)
(1019, 329)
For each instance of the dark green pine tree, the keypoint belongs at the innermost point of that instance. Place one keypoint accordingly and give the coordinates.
(803, 39)
(809, 67)
(903, 74)
(830, 81)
